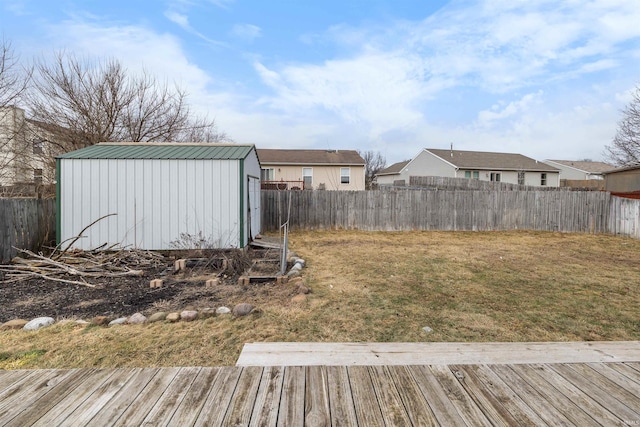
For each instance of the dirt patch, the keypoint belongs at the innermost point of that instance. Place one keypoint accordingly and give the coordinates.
(123, 296)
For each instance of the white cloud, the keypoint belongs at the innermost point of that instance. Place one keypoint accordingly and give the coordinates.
(501, 111)
(246, 32)
(137, 47)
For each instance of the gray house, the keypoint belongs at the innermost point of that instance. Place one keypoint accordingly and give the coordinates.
(580, 170)
(159, 195)
(484, 166)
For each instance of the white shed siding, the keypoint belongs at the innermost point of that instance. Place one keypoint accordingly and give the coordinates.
(156, 201)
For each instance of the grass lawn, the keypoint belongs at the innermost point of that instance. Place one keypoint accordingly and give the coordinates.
(379, 286)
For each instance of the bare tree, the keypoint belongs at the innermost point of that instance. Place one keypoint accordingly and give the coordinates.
(374, 163)
(625, 146)
(15, 153)
(100, 101)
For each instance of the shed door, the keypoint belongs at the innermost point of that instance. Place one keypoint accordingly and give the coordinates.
(254, 206)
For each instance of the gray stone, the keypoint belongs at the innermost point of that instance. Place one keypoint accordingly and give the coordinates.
(137, 319)
(223, 310)
(118, 321)
(14, 324)
(157, 317)
(427, 329)
(173, 317)
(206, 313)
(293, 273)
(300, 261)
(242, 309)
(188, 315)
(37, 323)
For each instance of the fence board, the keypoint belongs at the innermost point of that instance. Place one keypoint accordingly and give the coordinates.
(25, 224)
(463, 210)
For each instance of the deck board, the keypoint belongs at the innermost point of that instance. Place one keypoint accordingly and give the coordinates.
(430, 395)
(436, 353)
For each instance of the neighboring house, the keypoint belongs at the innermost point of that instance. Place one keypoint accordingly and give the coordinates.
(312, 169)
(484, 166)
(164, 195)
(623, 180)
(27, 149)
(580, 170)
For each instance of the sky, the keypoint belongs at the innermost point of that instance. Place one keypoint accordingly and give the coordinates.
(543, 78)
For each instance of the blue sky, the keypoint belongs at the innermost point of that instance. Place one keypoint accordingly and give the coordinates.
(543, 78)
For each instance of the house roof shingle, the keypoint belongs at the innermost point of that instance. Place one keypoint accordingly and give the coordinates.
(309, 157)
(394, 168)
(491, 161)
(585, 166)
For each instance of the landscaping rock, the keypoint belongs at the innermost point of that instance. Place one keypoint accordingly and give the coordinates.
(157, 317)
(302, 289)
(206, 313)
(299, 261)
(188, 315)
(137, 319)
(100, 320)
(173, 317)
(14, 324)
(223, 310)
(299, 299)
(242, 309)
(293, 273)
(427, 329)
(118, 321)
(37, 323)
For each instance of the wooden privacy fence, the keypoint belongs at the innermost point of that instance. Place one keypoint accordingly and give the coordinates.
(565, 211)
(25, 224)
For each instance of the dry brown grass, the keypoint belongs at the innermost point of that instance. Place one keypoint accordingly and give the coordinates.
(498, 286)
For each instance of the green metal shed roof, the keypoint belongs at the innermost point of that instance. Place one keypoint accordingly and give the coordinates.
(161, 151)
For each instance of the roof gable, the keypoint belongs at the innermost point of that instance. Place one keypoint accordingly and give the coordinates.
(490, 161)
(161, 150)
(310, 157)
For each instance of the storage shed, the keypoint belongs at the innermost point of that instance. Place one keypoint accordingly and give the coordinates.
(159, 195)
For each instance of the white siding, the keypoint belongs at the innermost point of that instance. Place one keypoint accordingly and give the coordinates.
(156, 201)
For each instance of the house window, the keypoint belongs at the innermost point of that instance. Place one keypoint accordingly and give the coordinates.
(307, 177)
(37, 147)
(495, 176)
(472, 174)
(267, 174)
(37, 176)
(345, 174)
(520, 178)
(543, 179)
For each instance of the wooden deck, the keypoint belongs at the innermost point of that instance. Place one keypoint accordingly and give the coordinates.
(436, 353)
(581, 394)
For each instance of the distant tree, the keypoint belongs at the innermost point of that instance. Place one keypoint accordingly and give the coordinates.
(625, 146)
(15, 151)
(374, 163)
(100, 101)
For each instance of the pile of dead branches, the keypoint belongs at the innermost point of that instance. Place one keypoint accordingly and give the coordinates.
(87, 266)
